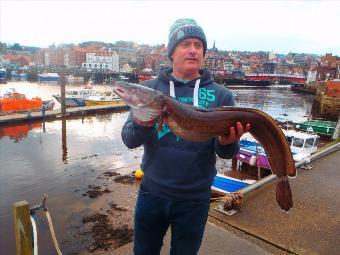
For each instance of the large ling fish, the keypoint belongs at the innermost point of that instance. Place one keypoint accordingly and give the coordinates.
(195, 124)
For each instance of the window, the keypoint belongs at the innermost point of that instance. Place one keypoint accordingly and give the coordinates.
(309, 143)
(289, 139)
(298, 142)
(316, 143)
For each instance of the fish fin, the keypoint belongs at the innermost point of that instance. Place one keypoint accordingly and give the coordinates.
(284, 194)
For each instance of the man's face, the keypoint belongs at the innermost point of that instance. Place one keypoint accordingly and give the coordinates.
(188, 55)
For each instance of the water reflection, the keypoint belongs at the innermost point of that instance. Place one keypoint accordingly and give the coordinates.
(279, 102)
(64, 140)
(57, 158)
(18, 132)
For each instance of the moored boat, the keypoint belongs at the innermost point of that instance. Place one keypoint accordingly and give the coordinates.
(320, 127)
(76, 97)
(74, 79)
(121, 78)
(103, 99)
(12, 101)
(48, 78)
(224, 184)
(300, 88)
(302, 145)
(16, 76)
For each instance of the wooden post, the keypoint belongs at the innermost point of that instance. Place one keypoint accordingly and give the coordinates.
(22, 227)
(234, 164)
(62, 93)
(64, 140)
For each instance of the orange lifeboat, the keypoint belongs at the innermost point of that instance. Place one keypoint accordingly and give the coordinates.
(16, 102)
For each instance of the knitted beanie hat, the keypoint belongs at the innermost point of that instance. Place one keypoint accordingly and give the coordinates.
(183, 29)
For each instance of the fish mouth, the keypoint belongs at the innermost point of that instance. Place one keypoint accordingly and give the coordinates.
(133, 96)
(125, 95)
(121, 92)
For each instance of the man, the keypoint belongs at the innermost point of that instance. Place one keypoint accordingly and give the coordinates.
(178, 174)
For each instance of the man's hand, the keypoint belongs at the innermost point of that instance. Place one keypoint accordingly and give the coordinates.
(150, 123)
(233, 137)
(146, 118)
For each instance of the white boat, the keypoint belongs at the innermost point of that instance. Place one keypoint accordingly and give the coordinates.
(302, 145)
(76, 97)
(104, 98)
(121, 78)
(74, 79)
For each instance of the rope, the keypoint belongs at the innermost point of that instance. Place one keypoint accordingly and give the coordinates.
(55, 242)
(35, 236)
(42, 205)
(230, 201)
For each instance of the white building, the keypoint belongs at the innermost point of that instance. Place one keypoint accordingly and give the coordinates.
(312, 74)
(67, 59)
(47, 58)
(126, 69)
(102, 60)
(272, 56)
(228, 67)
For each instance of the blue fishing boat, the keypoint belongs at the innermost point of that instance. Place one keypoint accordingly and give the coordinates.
(16, 76)
(48, 78)
(225, 184)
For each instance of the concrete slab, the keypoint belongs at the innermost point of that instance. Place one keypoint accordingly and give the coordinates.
(312, 226)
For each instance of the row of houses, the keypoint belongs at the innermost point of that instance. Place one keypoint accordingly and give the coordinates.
(129, 57)
(327, 69)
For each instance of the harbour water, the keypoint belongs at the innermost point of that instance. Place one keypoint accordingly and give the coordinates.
(62, 157)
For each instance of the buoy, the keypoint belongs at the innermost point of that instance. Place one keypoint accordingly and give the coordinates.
(139, 174)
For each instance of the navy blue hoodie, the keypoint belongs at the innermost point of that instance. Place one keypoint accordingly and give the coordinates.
(175, 168)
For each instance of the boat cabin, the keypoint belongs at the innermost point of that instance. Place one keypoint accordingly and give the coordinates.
(302, 144)
(80, 93)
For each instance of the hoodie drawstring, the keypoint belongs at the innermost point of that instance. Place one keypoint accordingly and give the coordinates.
(195, 96)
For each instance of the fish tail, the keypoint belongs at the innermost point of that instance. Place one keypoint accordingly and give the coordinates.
(284, 194)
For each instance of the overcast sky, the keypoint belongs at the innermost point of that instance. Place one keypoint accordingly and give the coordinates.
(278, 26)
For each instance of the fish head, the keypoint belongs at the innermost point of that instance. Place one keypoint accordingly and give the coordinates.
(137, 96)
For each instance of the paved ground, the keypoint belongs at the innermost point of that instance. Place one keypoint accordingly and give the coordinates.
(312, 226)
(216, 241)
